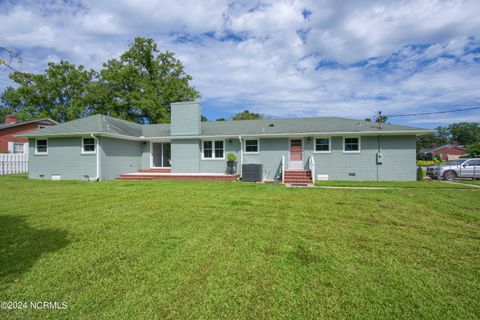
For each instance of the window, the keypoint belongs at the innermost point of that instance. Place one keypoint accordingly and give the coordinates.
(88, 145)
(18, 147)
(41, 126)
(351, 144)
(213, 149)
(41, 146)
(251, 146)
(322, 145)
(473, 163)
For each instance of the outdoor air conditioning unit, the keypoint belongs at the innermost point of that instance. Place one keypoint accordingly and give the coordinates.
(252, 172)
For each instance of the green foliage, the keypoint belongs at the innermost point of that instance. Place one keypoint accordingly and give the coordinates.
(203, 118)
(139, 86)
(59, 93)
(247, 115)
(221, 119)
(427, 163)
(420, 173)
(231, 157)
(465, 133)
(473, 150)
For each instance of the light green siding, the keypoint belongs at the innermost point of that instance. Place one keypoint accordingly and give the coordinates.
(119, 156)
(146, 155)
(185, 119)
(220, 166)
(64, 158)
(398, 159)
(185, 156)
(270, 155)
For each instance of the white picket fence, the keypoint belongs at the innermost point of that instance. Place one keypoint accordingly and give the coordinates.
(13, 163)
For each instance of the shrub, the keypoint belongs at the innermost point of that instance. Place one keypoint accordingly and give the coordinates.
(419, 173)
(427, 163)
(231, 157)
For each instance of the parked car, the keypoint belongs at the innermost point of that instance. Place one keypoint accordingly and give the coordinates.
(460, 168)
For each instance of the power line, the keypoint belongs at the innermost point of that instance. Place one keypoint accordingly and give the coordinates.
(434, 112)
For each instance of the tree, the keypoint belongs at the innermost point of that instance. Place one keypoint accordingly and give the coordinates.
(247, 115)
(139, 86)
(59, 93)
(465, 133)
(473, 150)
(142, 83)
(203, 118)
(221, 119)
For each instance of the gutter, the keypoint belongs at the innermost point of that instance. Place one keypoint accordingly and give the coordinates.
(97, 178)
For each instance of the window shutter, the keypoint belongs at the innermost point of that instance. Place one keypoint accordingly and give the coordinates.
(25, 147)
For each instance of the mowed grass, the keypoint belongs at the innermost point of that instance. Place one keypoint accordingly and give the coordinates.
(392, 184)
(209, 250)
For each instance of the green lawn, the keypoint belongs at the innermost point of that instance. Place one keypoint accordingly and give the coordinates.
(391, 184)
(144, 250)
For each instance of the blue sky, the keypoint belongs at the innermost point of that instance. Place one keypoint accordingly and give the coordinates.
(280, 58)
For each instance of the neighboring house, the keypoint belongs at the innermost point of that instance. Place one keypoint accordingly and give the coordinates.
(445, 153)
(10, 142)
(105, 148)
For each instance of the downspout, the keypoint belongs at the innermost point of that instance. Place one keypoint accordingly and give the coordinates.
(97, 144)
(241, 154)
(379, 151)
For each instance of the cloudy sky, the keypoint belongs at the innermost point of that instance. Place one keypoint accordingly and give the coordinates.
(280, 58)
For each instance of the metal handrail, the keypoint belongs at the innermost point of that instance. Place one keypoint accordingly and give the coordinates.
(311, 166)
(283, 169)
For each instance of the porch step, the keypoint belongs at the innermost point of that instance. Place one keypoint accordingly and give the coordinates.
(298, 176)
(169, 176)
(157, 170)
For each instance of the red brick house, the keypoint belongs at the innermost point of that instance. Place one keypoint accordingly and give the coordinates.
(446, 152)
(9, 142)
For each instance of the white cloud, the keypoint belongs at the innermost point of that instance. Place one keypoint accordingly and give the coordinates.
(273, 70)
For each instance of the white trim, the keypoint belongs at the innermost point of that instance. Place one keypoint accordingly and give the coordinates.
(94, 146)
(359, 144)
(289, 153)
(151, 155)
(329, 145)
(213, 150)
(36, 147)
(249, 152)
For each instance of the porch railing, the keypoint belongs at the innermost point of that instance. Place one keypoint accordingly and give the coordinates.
(283, 169)
(311, 167)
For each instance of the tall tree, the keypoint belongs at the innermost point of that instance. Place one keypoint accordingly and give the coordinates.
(59, 93)
(465, 133)
(142, 83)
(247, 115)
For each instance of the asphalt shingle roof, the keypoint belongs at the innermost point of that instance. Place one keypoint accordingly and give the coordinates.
(101, 124)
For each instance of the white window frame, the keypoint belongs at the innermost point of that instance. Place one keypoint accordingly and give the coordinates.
(36, 147)
(18, 143)
(322, 151)
(251, 152)
(359, 144)
(94, 146)
(213, 149)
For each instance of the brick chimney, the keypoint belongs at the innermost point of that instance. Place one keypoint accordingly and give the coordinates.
(11, 118)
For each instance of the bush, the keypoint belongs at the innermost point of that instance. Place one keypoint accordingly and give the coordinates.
(419, 173)
(427, 163)
(231, 157)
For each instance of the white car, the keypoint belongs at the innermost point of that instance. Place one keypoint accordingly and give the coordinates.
(460, 168)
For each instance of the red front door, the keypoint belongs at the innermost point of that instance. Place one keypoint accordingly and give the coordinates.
(296, 152)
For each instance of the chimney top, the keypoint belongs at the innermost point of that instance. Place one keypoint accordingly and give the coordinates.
(10, 119)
